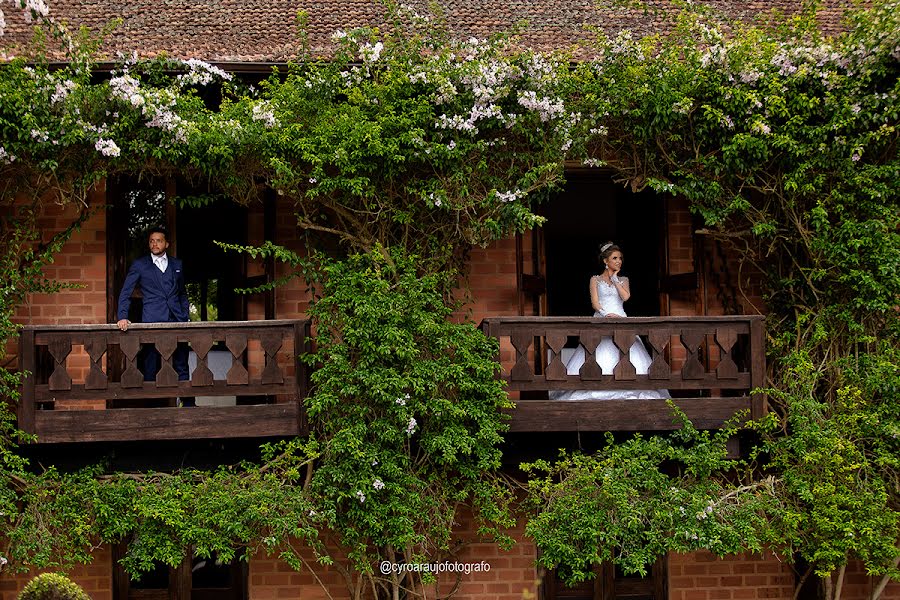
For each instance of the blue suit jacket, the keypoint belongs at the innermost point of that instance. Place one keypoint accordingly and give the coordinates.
(161, 303)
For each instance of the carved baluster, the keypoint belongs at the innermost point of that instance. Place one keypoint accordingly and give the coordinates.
(659, 368)
(624, 369)
(95, 346)
(521, 342)
(130, 346)
(590, 339)
(237, 345)
(201, 344)
(556, 370)
(59, 347)
(726, 339)
(271, 343)
(165, 345)
(693, 368)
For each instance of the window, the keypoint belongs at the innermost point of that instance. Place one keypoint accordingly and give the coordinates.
(610, 583)
(194, 579)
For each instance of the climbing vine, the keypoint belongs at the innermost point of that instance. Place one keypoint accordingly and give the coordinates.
(410, 147)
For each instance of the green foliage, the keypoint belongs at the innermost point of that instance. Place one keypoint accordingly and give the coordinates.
(411, 144)
(407, 407)
(52, 586)
(633, 501)
(785, 143)
(61, 517)
(840, 464)
(24, 257)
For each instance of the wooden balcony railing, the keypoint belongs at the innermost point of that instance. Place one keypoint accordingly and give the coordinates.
(256, 364)
(709, 365)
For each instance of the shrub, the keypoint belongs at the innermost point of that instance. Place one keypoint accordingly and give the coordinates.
(52, 586)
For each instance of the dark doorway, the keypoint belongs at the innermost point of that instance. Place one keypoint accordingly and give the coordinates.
(194, 579)
(611, 583)
(211, 273)
(590, 211)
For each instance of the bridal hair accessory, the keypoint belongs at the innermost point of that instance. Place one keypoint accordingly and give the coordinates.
(604, 247)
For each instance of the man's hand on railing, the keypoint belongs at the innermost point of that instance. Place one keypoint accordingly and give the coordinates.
(123, 324)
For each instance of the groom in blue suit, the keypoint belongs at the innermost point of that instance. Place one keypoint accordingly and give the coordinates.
(165, 299)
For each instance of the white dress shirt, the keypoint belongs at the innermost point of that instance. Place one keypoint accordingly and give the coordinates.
(161, 262)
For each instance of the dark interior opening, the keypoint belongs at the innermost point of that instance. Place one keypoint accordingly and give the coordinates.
(590, 211)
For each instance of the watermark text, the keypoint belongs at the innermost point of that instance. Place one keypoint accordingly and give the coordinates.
(388, 567)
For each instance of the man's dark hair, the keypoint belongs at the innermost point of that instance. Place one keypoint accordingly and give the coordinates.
(158, 229)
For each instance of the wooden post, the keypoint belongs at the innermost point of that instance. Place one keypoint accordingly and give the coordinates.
(757, 367)
(302, 344)
(27, 364)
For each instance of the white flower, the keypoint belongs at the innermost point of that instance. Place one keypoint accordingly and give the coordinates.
(761, 127)
(369, 52)
(338, 35)
(39, 135)
(62, 91)
(411, 426)
(683, 106)
(374, 462)
(402, 401)
(378, 484)
(107, 147)
(546, 108)
(360, 496)
(263, 112)
(508, 196)
(125, 87)
(750, 76)
(201, 73)
(6, 157)
(593, 162)
(313, 180)
(31, 9)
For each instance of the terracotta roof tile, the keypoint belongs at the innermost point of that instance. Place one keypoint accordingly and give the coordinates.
(265, 31)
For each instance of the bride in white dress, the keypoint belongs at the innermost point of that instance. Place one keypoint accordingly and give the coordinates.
(609, 292)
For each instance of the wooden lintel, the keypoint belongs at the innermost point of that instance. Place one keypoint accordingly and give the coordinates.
(137, 424)
(621, 415)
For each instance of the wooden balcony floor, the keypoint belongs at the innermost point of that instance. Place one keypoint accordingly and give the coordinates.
(622, 415)
(141, 424)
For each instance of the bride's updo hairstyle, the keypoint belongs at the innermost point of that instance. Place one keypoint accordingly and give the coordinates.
(606, 250)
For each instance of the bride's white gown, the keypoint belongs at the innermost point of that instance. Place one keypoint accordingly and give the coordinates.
(607, 355)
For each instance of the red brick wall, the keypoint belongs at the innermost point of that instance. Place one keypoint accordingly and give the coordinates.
(94, 578)
(681, 255)
(512, 574)
(859, 586)
(82, 261)
(703, 576)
